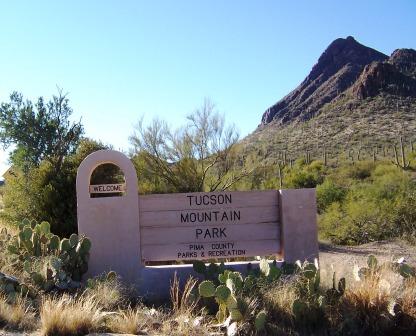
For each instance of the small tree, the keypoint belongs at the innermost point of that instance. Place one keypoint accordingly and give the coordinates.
(40, 131)
(44, 194)
(197, 157)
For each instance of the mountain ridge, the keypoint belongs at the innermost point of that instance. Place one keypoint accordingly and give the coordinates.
(337, 70)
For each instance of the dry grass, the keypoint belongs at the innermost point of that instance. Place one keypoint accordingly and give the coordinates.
(183, 302)
(279, 300)
(408, 299)
(383, 303)
(142, 321)
(109, 294)
(17, 316)
(131, 321)
(66, 315)
(370, 297)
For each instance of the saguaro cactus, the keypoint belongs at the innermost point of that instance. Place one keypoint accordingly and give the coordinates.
(280, 166)
(403, 164)
(307, 157)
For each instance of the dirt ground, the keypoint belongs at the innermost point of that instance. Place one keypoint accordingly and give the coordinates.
(341, 259)
(383, 250)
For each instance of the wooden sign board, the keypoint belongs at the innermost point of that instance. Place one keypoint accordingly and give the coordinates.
(209, 225)
(106, 188)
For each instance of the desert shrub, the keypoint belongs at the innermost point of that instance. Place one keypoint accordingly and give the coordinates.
(17, 315)
(108, 291)
(66, 315)
(406, 314)
(364, 309)
(131, 320)
(405, 215)
(328, 193)
(349, 173)
(360, 170)
(378, 302)
(279, 299)
(378, 207)
(44, 194)
(147, 181)
(356, 222)
(301, 179)
(303, 175)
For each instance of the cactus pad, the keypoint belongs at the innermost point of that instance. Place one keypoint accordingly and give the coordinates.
(236, 315)
(206, 288)
(73, 240)
(260, 321)
(372, 262)
(222, 293)
(264, 267)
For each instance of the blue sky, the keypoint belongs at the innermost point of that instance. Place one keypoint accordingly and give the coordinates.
(120, 60)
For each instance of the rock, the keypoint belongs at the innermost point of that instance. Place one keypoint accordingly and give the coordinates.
(405, 61)
(384, 77)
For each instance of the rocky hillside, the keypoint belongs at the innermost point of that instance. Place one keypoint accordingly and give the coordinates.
(354, 98)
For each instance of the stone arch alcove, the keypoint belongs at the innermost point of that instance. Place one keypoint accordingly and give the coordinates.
(112, 223)
(107, 180)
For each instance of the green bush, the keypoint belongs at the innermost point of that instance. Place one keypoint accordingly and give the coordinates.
(328, 193)
(45, 194)
(304, 176)
(377, 207)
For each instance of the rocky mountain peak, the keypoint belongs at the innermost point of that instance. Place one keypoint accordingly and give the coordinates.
(341, 52)
(405, 61)
(336, 70)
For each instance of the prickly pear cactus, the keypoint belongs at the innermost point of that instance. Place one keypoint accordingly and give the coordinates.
(260, 321)
(229, 288)
(11, 288)
(271, 272)
(231, 284)
(66, 259)
(373, 268)
(33, 240)
(406, 271)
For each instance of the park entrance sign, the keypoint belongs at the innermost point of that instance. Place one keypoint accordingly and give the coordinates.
(209, 225)
(128, 232)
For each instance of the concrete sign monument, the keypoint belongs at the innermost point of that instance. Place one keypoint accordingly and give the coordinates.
(128, 231)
